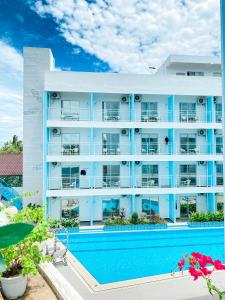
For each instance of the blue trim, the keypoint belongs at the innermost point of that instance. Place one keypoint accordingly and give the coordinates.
(91, 203)
(171, 108)
(211, 173)
(210, 140)
(45, 151)
(172, 171)
(172, 207)
(132, 112)
(132, 141)
(210, 110)
(171, 144)
(133, 204)
(211, 202)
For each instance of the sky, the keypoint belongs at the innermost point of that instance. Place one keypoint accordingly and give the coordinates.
(128, 36)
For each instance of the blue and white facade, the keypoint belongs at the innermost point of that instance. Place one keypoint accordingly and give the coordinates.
(95, 143)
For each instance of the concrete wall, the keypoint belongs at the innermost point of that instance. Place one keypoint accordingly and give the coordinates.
(36, 63)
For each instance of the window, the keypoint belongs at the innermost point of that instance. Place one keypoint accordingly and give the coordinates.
(150, 206)
(188, 112)
(70, 209)
(111, 175)
(219, 174)
(219, 202)
(70, 143)
(219, 144)
(110, 111)
(110, 208)
(150, 176)
(217, 74)
(180, 74)
(188, 175)
(149, 112)
(149, 144)
(110, 143)
(70, 177)
(192, 73)
(70, 110)
(188, 144)
(219, 112)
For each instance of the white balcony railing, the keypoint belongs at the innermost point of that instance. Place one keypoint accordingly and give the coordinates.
(118, 115)
(145, 181)
(125, 149)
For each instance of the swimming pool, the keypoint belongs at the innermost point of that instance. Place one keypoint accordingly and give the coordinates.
(117, 256)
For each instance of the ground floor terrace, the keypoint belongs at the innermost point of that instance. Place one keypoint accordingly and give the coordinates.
(97, 209)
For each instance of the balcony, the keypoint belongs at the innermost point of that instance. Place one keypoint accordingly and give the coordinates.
(121, 115)
(145, 181)
(125, 149)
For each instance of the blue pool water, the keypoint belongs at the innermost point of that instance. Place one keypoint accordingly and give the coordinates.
(112, 257)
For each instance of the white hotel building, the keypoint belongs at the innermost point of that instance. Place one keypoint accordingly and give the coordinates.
(95, 143)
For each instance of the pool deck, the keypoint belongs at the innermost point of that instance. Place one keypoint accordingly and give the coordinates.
(182, 288)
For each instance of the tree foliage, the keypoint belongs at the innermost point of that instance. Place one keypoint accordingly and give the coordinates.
(14, 146)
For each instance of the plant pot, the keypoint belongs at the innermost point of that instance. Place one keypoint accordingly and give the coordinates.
(14, 287)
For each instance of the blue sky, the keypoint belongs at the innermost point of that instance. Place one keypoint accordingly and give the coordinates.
(98, 36)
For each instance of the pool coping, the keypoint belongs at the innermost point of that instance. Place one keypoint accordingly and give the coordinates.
(95, 286)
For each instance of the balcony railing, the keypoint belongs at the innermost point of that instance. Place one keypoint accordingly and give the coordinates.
(118, 115)
(125, 149)
(145, 181)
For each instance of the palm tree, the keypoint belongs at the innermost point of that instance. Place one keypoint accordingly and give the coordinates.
(13, 146)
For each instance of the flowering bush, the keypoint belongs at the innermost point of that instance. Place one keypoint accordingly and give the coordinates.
(203, 266)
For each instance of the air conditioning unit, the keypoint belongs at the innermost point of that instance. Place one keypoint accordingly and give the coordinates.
(56, 131)
(124, 132)
(125, 163)
(137, 163)
(55, 95)
(201, 100)
(202, 132)
(124, 195)
(137, 195)
(137, 130)
(201, 194)
(202, 163)
(54, 163)
(215, 99)
(124, 99)
(137, 98)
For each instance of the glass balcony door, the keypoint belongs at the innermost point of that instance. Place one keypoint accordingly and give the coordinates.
(150, 206)
(149, 144)
(188, 112)
(187, 206)
(188, 175)
(150, 175)
(110, 111)
(111, 175)
(70, 143)
(70, 209)
(219, 144)
(149, 112)
(219, 112)
(70, 110)
(70, 177)
(219, 174)
(188, 144)
(110, 208)
(111, 143)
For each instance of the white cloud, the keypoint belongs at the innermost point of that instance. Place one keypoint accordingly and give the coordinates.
(11, 68)
(133, 34)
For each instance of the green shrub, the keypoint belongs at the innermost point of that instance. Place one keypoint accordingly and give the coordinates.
(206, 217)
(134, 218)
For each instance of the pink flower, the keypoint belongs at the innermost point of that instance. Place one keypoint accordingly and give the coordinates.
(181, 264)
(195, 273)
(206, 271)
(218, 265)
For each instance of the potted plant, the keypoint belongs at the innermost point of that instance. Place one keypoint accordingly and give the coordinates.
(20, 250)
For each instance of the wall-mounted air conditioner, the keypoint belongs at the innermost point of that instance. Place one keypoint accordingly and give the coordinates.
(137, 163)
(125, 163)
(125, 99)
(55, 95)
(202, 163)
(124, 132)
(56, 131)
(215, 99)
(137, 98)
(137, 130)
(54, 163)
(201, 100)
(202, 132)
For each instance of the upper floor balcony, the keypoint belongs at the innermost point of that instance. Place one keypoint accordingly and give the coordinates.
(84, 148)
(144, 181)
(142, 115)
